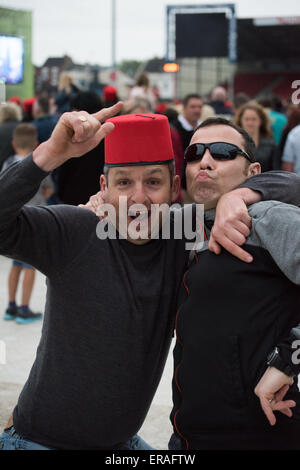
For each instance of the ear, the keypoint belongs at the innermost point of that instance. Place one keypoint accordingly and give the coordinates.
(103, 184)
(175, 188)
(254, 169)
(14, 146)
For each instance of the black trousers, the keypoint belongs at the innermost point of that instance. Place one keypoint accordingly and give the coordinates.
(246, 441)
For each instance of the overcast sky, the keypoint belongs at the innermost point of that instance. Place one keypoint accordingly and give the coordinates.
(82, 28)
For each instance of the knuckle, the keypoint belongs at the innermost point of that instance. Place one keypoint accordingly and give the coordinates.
(213, 232)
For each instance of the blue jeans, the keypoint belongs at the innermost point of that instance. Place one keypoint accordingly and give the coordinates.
(21, 264)
(10, 440)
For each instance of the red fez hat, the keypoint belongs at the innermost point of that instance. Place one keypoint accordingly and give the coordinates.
(161, 108)
(15, 99)
(139, 139)
(109, 93)
(28, 104)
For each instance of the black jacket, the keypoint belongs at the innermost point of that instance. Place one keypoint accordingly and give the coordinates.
(231, 315)
(268, 155)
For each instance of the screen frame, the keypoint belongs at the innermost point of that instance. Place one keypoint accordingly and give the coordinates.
(11, 36)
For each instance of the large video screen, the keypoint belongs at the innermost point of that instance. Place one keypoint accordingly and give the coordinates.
(201, 35)
(11, 59)
(259, 41)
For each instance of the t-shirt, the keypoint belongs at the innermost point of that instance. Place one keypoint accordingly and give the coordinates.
(291, 149)
(278, 123)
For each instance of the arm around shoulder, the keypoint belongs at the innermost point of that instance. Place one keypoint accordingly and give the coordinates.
(277, 226)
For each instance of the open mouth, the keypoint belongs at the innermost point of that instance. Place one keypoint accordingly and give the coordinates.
(142, 215)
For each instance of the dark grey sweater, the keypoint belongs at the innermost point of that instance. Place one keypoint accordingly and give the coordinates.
(108, 317)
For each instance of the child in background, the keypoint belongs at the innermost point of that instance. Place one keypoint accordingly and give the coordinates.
(24, 142)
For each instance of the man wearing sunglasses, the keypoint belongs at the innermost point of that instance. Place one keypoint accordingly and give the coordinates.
(236, 323)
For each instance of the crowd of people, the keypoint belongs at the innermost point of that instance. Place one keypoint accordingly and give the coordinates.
(117, 301)
(269, 122)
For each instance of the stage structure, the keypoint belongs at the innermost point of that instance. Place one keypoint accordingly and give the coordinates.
(202, 40)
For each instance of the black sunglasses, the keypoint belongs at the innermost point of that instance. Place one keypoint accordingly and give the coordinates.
(219, 151)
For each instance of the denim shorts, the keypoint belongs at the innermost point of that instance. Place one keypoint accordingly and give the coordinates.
(21, 264)
(11, 440)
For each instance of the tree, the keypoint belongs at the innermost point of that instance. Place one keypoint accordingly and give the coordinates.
(129, 67)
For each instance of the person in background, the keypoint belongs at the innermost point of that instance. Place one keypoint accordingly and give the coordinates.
(27, 109)
(66, 91)
(10, 117)
(278, 119)
(184, 126)
(52, 106)
(239, 100)
(24, 141)
(171, 113)
(293, 115)
(254, 119)
(137, 106)
(78, 178)
(178, 150)
(17, 101)
(43, 121)
(207, 111)
(143, 90)
(291, 156)
(189, 118)
(220, 104)
(109, 96)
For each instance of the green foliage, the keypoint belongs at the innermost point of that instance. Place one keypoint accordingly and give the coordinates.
(129, 67)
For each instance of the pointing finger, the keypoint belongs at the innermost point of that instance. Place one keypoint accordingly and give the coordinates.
(107, 113)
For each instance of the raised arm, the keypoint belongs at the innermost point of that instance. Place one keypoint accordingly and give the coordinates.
(43, 236)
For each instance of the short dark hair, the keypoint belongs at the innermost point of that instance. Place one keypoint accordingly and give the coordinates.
(189, 97)
(240, 99)
(43, 102)
(25, 136)
(250, 147)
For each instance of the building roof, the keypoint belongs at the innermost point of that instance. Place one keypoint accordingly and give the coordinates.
(58, 61)
(154, 66)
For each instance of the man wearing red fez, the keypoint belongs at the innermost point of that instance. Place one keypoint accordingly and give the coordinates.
(143, 171)
(27, 109)
(110, 307)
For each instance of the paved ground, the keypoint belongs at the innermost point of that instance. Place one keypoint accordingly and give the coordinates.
(21, 342)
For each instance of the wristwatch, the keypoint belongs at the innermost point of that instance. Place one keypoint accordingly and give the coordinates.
(275, 360)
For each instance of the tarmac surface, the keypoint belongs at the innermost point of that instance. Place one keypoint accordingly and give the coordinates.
(18, 345)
